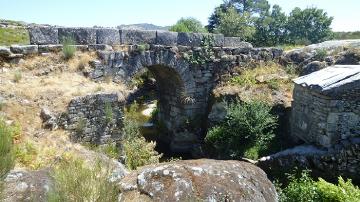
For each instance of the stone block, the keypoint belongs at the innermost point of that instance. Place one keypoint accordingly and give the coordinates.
(24, 49)
(43, 35)
(166, 38)
(5, 51)
(219, 40)
(82, 48)
(108, 36)
(236, 42)
(194, 39)
(50, 48)
(103, 47)
(81, 36)
(189, 39)
(137, 37)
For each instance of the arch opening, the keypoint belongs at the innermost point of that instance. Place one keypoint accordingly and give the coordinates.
(163, 86)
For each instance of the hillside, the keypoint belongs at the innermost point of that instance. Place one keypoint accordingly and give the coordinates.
(143, 26)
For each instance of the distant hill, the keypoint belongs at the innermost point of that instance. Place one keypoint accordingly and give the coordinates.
(347, 35)
(143, 26)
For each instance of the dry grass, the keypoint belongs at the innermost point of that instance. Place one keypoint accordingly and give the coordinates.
(267, 82)
(38, 147)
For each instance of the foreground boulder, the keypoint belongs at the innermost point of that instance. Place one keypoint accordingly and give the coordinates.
(198, 180)
(22, 185)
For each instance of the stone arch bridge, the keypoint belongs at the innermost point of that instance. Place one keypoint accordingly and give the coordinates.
(184, 87)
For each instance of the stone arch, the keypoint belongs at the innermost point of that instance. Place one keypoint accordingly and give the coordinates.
(183, 88)
(175, 84)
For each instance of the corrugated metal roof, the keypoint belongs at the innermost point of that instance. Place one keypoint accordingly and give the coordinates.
(330, 78)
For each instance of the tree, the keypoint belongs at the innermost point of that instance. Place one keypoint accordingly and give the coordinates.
(231, 23)
(252, 7)
(188, 25)
(310, 24)
(271, 28)
(214, 19)
(248, 11)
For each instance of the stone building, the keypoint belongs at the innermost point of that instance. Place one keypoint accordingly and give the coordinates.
(326, 105)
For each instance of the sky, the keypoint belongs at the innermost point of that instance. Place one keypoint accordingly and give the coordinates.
(110, 13)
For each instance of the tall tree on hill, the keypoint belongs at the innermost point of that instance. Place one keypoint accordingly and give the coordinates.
(231, 23)
(310, 25)
(253, 7)
(271, 28)
(248, 11)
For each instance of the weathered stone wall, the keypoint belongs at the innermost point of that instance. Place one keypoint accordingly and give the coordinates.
(323, 120)
(184, 88)
(96, 118)
(111, 36)
(342, 159)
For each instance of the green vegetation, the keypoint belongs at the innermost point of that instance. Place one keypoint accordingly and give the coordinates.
(142, 47)
(68, 47)
(76, 181)
(264, 77)
(263, 25)
(246, 130)
(110, 150)
(80, 126)
(138, 152)
(109, 115)
(206, 54)
(231, 23)
(2, 105)
(17, 76)
(188, 25)
(320, 54)
(7, 157)
(287, 47)
(347, 35)
(10, 36)
(26, 154)
(304, 189)
(311, 24)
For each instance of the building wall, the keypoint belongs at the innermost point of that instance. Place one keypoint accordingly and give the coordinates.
(321, 120)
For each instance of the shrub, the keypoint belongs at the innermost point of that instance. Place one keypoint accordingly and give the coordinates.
(80, 126)
(17, 76)
(300, 189)
(305, 189)
(6, 151)
(108, 112)
(68, 47)
(246, 125)
(139, 153)
(344, 191)
(320, 54)
(142, 47)
(76, 181)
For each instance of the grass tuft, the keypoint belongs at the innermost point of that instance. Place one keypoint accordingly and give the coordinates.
(17, 76)
(68, 48)
(74, 180)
